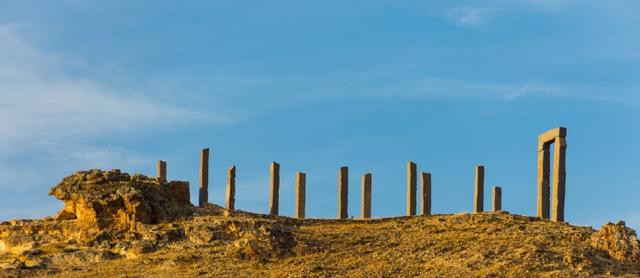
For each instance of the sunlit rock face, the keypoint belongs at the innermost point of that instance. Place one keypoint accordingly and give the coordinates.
(619, 241)
(98, 200)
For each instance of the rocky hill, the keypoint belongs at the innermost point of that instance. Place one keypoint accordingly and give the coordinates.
(117, 225)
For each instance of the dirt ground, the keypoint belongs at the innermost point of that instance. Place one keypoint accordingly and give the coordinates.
(461, 245)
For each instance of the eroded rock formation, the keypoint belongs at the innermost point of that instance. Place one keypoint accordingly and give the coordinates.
(619, 241)
(99, 200)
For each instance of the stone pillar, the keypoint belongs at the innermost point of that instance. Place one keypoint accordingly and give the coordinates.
(556, 136)
(425, 181)
(301, 187)
(411, 188)
(274, 182)
(559, 179)
(203, 197)
(366, 196)
(231, 188)
(543, 180)
(497, 198)
(478, 200)
(343, 193)
(162, 171)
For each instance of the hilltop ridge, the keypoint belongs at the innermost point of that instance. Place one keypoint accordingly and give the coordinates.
(130, 239)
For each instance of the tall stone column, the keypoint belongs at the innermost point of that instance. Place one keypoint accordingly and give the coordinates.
(559, 179)
(543, 180)
(343, 193)
(478, 198)
(411, 188)
(301, 187)
(425, 182)
(203, 196)
(231, 188)
(162, 171)
(366, 196)
(274, 182)
(497, 198)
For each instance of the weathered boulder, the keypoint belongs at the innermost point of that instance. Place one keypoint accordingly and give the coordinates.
(99, 200)
(620, 242)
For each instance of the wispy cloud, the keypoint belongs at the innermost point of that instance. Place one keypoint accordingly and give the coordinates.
(51, 122)
(388, 84)
(39, 100)
(471, 16)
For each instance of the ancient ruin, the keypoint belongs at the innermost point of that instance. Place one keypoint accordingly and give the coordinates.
(425, 182)
(162, 171)
(301, 188)
(478, 195)
(231, 188)
(109, 215)
(556, 136)
(343, 192)
(274, 188)
(366, 196)
(203, 196)
(411, 188)
(496, 199)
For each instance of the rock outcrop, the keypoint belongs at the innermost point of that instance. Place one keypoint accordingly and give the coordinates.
(619, 241)
(99, 200)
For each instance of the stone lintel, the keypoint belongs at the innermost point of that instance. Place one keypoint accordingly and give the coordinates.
(552, 134)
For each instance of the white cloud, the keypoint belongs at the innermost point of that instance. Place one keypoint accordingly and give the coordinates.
(470, 16)
(39, 101)
(549, 5)
(50, 121)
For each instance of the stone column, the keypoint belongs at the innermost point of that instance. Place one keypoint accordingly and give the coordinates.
(301, 187)
(497, 198)
(411, 188)
(366, 196)
(343, 193)
(203, 197)
(478, 200)
(274, 182)
(425, 181)
(162, 171)
(231, 188)
(559, 179)
(543, 180)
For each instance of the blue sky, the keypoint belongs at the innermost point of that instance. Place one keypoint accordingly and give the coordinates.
(318, 85)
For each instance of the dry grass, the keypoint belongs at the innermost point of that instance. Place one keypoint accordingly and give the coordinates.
(463, 245)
